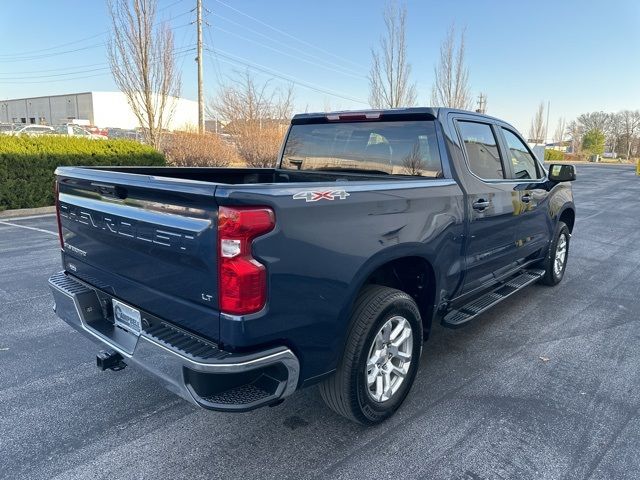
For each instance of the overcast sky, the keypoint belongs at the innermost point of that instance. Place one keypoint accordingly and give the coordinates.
(579, 55)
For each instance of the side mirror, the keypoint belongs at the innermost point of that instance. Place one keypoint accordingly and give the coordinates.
(562, 173)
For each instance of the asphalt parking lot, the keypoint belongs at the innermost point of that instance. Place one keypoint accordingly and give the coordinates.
(545, 385)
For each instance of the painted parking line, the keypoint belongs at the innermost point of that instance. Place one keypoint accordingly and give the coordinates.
(582, 219)
(28, 228)
(43, 215)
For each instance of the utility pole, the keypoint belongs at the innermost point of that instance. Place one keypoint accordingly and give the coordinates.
(546, 127)
(482, 103)
(199, 60)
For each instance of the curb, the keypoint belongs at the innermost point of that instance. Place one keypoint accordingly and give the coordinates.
(27, 212)
(593, 164)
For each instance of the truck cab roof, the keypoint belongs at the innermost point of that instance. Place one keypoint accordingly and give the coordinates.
(413, 113)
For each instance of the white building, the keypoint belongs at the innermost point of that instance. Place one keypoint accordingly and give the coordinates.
(102, 109)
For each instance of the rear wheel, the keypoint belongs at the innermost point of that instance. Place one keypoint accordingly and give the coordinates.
(556, 261)
(380, 359)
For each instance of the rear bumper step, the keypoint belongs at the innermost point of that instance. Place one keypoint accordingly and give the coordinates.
(188, 365)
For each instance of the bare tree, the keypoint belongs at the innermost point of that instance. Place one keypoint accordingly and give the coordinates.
(614, 131)
(389, 83)
(245, 100)
(575, 133)
(594, 121)
(630, 127)
(451, 84)
(142, 61)
(558, 136)
(193, 149)
(256, 116)
(412, 163)
(537, 128)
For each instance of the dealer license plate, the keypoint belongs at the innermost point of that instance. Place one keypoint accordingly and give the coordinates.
(127, 317)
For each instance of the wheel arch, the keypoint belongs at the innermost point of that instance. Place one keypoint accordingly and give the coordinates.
(405, 269)
(413, 275)
(568, 216)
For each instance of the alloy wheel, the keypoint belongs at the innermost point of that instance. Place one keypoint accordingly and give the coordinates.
(389, 358)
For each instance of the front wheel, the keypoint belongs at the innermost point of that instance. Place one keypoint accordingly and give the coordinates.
(381, 357)
(556, 261)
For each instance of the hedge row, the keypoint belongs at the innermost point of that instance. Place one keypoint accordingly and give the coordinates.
(27, 164)
(553, 155)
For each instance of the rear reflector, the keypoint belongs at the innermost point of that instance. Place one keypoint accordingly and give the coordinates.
(242, 279)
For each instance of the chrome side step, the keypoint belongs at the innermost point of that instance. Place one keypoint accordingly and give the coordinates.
(463, 315)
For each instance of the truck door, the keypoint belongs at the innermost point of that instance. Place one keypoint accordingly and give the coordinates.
(491, 204)
(534, 226)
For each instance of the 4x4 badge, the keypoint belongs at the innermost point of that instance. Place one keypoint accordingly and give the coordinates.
(315, 195)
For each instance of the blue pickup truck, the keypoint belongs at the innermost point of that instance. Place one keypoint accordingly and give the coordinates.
(236, 287)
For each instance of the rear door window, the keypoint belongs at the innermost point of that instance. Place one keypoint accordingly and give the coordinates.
(482, 150)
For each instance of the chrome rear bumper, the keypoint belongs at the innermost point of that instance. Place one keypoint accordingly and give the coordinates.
(189, 366)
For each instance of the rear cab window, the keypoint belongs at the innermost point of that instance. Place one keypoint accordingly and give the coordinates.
(481, 147)
(388, 147)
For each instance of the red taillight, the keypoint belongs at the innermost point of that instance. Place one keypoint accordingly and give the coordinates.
(58, 216)
(242, 279)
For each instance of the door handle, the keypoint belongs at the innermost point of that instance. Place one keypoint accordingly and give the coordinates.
(526, 198)
(481, 204)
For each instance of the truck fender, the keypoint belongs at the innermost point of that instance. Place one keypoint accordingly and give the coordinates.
(381, 258)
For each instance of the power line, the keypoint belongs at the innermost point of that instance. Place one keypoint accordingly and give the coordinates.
(48, 55)
(29, 52)
(261, 68)
(79, 68)
(8, 81)
(216, 67)
(56, 69)
(170, 5)
(289, 54)
(186, 33)
(59, 80)
(37, 54)
(282, 32)
(56, 75)
(287, 45)
(104, 32)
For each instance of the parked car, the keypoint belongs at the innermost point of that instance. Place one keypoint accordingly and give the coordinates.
(33, 130)
(97, 131)
(124, 133)
(73, 130)
(237, 287)
(7, 128)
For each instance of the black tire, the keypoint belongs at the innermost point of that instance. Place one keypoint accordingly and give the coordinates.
(346, 392)
(553, 276)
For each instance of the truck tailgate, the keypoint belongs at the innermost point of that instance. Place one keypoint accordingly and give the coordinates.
(149, 241)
